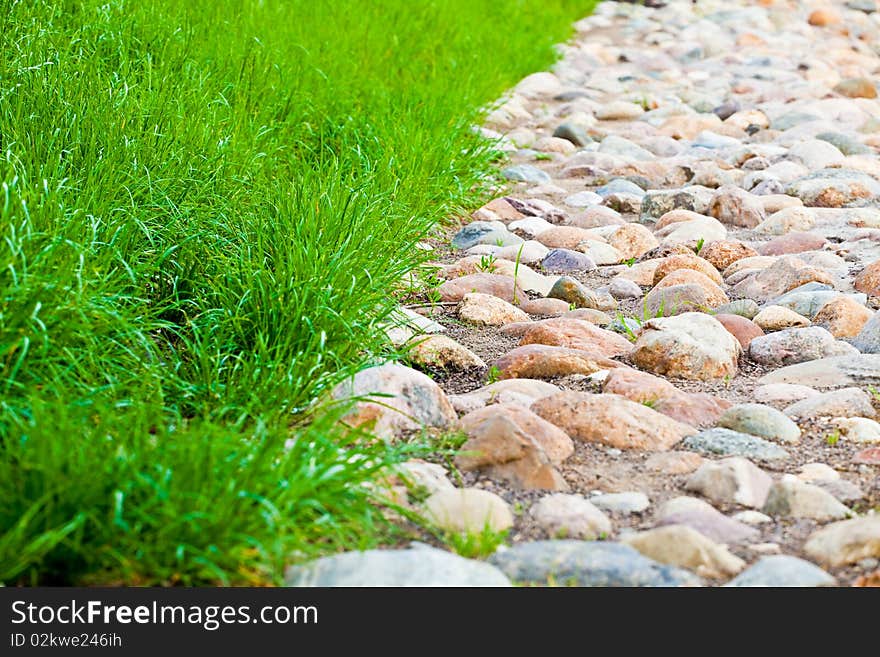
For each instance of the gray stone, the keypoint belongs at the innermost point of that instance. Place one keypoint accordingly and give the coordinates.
(622, 503)
(583, 200)
(481, 232)
(760, 420)
(706, 519)
(620, 186)
(573, 133)
(712, 140)
(586, 563)
(615, 145)
(622, 288)
(724, 442)
(791, 119)
(841, 489)
(747, 308)
(773, 281)
(418, 565)
(867, 6)
(845, 143)
(573, 94)
(656, 203)
(526, 173)
(794, 498)
(727, 109)
(567, 260)
(868, 339)
(782, 570)
(808, 299)
(861, 369)
(846, 402)
(796, 345)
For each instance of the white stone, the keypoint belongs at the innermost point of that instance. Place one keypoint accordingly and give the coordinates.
(858, 429)
(750, 517)
(811, 472)
(732, 480)
(624, 503)
(469, 510)
(570, 516)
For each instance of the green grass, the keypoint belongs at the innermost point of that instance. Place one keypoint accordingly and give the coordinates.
(473, 544)
(203, 208)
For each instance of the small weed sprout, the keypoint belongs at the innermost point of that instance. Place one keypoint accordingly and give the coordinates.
(630, 332)
(475, 545)
(487, 263)
(516, 274)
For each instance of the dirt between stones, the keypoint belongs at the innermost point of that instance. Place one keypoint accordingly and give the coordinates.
(598, 468)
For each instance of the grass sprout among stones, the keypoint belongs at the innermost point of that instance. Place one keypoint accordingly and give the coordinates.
(487, 263)
(516, 274)
(624, 325)
(473, 544)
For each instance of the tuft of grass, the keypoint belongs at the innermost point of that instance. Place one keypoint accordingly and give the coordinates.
(204, 210)
(125, 499)
(474, 545)
(631, 334)
(493, 375)
(487, 263)
(447, 443)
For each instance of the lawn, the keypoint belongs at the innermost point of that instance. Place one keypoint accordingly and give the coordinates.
(204, 208)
